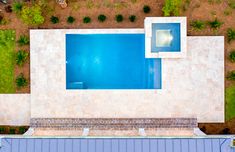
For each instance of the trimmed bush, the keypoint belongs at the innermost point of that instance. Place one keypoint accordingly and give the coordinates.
(172, 7)
(146, 9)
(227, 11)
(32, 15)
(214, 2)
(22, 130)
(231, 34)
(232, 56)
(215, 24)
(8, 8)
(1, 18)
(2, 130)
(21, 81)
(86, 19)
(101, 17)
(70, 19)
(12, 131)
(17, 7)
(21, 57)
(23, 40)
(119, 18)
(231, 75)
(231, 4)
(197, 25)
(132, 18)
(54, 19)
(225, 131)
(186, 5)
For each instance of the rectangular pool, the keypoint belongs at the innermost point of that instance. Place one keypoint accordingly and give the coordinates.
(110, 61)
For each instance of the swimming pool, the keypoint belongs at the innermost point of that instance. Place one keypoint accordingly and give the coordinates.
(110, 61)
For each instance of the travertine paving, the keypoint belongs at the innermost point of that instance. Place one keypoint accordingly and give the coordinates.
(14, 109)
(191, 86)
(122, 133)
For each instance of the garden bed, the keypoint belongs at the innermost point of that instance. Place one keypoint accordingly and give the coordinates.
(13, 129)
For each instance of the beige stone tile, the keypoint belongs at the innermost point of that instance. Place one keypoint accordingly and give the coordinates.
(191, 86)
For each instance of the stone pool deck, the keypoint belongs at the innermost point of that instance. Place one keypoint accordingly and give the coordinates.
(191, 86)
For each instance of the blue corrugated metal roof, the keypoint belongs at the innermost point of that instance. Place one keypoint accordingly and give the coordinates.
(116, 145)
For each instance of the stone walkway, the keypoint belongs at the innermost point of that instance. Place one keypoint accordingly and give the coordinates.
(14, 109)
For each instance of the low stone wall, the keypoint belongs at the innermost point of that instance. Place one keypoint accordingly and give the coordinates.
(113, 123)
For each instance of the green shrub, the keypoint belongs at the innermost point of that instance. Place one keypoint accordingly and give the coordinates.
(231, 4)
(22, 130)
(90, 4)
(21, 81)
(1, 18)
(23, 40)
(132, 18)
(17, 7)
(101, 17)
(186, 5)
(146, 9)
(8, 8)
(86, 19)
(2, 130)
(231, 75)
(70, 19)
(171, 7)
(133, 1)
(21, 57)
(197, 25)
(214, 1)
(32, 15)
(227, 11)
(215, 24)
(119, 5)
(232, 56)
(231, 34)
(12, 131)
(54, 19)
(119, 18)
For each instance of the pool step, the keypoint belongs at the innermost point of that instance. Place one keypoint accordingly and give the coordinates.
(113, 123)
(75, 85)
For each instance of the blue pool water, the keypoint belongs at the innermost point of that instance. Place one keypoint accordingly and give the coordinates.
(175, 31)
(110, 61)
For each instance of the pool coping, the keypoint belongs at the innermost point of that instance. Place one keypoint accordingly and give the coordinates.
(106, 31)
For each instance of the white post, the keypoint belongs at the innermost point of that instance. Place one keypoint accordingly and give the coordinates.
(85, 132)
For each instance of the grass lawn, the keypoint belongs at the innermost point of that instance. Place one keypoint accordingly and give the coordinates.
(7, 49)
(230, 102)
